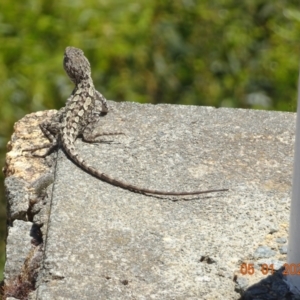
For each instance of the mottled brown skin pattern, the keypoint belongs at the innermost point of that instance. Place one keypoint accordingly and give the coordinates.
(77, 117)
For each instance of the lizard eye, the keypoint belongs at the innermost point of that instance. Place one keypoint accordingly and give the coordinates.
(66, 59)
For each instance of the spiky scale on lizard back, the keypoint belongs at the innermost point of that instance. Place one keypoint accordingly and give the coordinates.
(73, 120)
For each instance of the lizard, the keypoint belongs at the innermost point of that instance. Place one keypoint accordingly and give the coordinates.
(77, 116)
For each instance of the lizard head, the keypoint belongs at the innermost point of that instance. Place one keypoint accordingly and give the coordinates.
(76, 65)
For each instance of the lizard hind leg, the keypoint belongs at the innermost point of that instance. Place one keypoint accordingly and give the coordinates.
(50, 147)
(89, 137)
(50, 130)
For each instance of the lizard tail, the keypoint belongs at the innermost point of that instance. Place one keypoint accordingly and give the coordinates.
(71, 151)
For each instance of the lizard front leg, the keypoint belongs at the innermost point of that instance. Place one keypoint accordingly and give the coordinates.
(103, 101)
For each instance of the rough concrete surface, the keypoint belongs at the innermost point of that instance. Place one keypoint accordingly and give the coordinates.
(103, 242)
(18, 247)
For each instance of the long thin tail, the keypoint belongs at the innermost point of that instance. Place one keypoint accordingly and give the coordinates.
(102, 176)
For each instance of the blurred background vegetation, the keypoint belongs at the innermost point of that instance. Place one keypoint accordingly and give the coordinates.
(210, 52)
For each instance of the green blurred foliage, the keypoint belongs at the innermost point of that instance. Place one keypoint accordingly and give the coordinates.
(210, 52)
